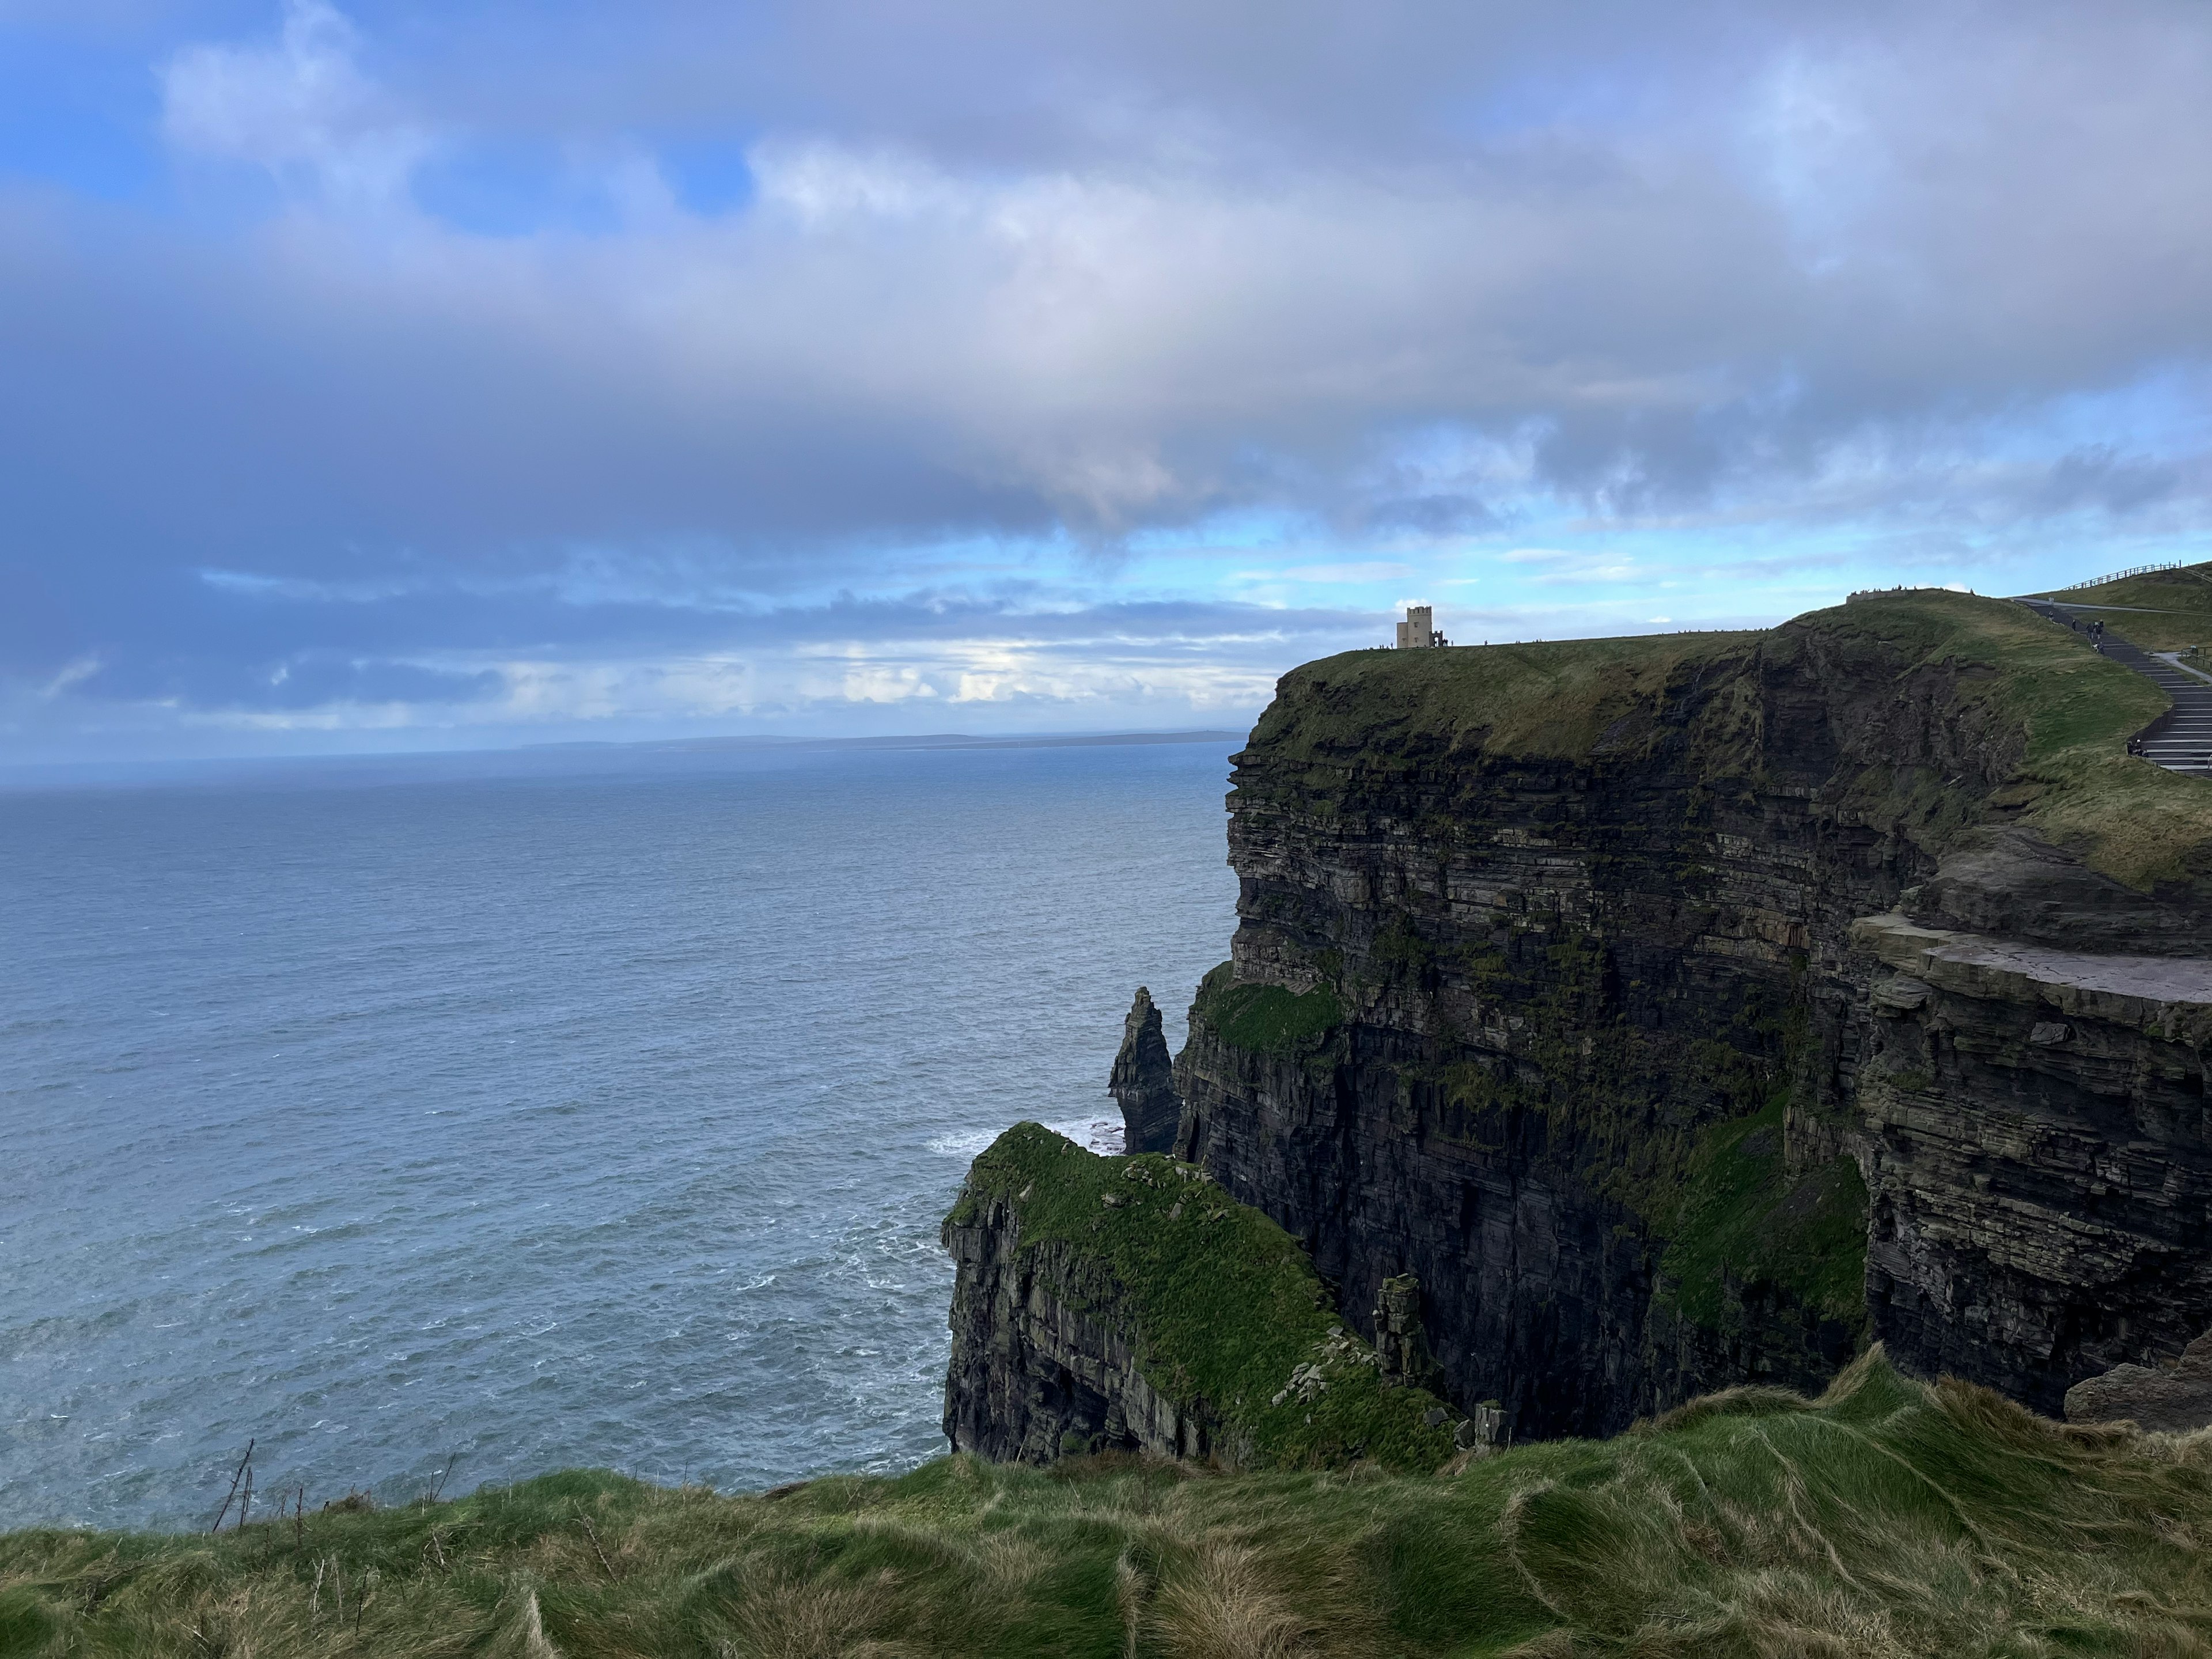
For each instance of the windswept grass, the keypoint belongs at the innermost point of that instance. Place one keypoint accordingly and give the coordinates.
(1889, 1520)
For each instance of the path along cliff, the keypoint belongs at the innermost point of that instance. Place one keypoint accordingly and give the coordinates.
(1695, 1009)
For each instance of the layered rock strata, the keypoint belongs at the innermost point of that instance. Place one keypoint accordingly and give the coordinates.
(2033, 1125)
(1143, 1080)
(1042, 1364)
(1674, 1012)
(2174, 1400)
(1129, 1304)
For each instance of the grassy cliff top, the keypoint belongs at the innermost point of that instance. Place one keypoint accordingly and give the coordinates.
(2038, 690)
(2160, 611)
(1552, 697)
(1890, 1518)
(1218, 1302)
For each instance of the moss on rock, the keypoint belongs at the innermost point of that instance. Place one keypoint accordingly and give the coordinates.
(1266, 1018)
(1743, 1223)
(1221, 1307)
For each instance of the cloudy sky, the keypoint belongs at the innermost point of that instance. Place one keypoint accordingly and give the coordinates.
(389, 373)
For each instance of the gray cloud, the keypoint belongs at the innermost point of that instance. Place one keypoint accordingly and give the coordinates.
(1055, 277)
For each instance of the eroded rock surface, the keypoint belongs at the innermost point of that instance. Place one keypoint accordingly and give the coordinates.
(1129, 1303)
(2033, 1127)
(1143, 1080)
(1041, 1368)
(2175, 1399)
(1694, 1030)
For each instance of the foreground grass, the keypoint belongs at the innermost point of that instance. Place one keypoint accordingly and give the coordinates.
(1888, 1518)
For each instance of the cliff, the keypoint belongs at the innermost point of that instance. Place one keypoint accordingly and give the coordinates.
(1695, 1009)
(1131, 1304)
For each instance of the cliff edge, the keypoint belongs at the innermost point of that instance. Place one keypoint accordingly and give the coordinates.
(1698, 1009)
(1130, 1304)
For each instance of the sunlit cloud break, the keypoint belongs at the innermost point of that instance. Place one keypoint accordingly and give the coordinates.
(1089, 367)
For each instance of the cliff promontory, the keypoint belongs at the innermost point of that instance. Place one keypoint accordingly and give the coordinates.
(1131, 1304)
(1697, 1009)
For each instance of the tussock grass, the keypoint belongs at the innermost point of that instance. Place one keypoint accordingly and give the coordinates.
(1888, 1520)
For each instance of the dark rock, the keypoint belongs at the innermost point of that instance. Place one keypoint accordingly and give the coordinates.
(1560, 971)
(1042, 1363)
(2008, 883)
(1068, 1337)
(2176, 1399)
(1490, 1425)
(1143, 1081)
(1399, 1345)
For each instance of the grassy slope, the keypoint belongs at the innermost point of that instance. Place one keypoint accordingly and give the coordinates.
(1553, 698)
(1890, 1519)
(1221, 1303)
(2072, 712)
(1740, 1215)
(1265, 1019)
(2165, 610)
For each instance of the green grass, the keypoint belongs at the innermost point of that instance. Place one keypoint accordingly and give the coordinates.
(1553, 698)
(2162, 611)
(1890, 1520)
(2031, 691)
(1266, 1018)
(1742, 1219)
(1219, 1302)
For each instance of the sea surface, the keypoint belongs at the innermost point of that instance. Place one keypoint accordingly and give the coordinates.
(602, 1111)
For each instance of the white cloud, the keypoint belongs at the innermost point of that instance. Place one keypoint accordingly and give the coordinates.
(1361, 571)
(298, 107)
(73, 673)
(1071, 286)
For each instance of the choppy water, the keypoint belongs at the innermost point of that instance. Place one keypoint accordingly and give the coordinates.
(600, 1117)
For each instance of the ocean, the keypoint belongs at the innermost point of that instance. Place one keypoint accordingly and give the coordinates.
(588, 1109)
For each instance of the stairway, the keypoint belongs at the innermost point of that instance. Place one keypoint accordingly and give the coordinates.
(2180, 739)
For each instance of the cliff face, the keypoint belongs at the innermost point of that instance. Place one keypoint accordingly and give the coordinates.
(1639, 997)
(1106, 1304)
(1042, 1360)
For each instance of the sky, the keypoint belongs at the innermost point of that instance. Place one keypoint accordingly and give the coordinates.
(390, 376)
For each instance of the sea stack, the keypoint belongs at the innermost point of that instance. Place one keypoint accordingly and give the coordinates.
(1143, 1081)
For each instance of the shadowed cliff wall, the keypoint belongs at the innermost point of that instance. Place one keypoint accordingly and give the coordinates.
(1545, 988)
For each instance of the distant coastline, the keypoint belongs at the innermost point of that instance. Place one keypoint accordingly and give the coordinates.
(521, 760)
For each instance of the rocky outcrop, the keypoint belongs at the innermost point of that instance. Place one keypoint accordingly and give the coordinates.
(1143, 1080)
(2174, 1400)
(1686, 1012)
(1042, 1364)
(1104, 1304)
(2034, 1128)
(1401, 1347)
